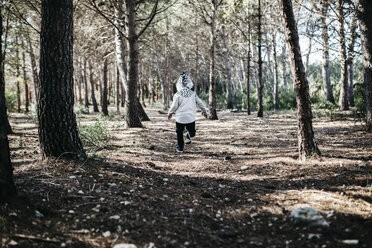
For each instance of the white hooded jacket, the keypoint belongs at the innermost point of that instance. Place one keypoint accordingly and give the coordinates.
(185, 101)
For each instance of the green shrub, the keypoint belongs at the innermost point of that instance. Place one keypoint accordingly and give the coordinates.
(360, 102)
(95, 136)
(11, 100)
(287, 99)
(319, 102)
(80, 109)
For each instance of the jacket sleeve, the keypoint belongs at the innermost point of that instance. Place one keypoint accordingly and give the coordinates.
(201, 105)
(175, 105)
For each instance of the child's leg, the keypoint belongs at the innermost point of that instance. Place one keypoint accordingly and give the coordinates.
(179, 129)
(191, 128)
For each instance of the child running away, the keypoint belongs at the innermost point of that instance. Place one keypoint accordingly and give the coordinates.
(184, 106)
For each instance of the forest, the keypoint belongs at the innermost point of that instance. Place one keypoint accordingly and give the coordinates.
(90, 155)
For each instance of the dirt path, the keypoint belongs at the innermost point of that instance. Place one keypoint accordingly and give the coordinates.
(234, 186)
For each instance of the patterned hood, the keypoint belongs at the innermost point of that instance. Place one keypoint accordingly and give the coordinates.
(184, 81)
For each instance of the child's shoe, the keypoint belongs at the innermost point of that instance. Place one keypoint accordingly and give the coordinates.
(187, 137)
(179, 150)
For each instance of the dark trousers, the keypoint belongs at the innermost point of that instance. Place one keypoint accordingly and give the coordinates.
(180, 128)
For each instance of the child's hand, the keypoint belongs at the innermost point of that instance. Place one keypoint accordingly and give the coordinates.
(169, 117)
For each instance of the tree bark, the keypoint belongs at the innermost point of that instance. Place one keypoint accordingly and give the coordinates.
(104, 89)
(159, 74)
(7, 188)
(260, 79)
(58, 133)
(212, 69)
(343, 101)
(326, 75)
(306, 144)
(364, 11)
(18, 75)
(131, 102)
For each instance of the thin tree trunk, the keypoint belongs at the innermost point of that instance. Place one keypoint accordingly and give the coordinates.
(79, 80)
(226, 57)
(104, 89)
(196, 59)
(343, 101)
(27, 100)
(92, 90)
(34, 73)
(18, 75)
(326, 75)
(117, 90)
(364, 10)
(58, 133)
(306, 143)
(212, 69)
(276, 76)
(248, 71)
(160, 76)
(260, 79)
(350, 58)
(284, 65)
(86, 96)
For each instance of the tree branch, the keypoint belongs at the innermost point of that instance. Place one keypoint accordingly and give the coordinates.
(151, 17)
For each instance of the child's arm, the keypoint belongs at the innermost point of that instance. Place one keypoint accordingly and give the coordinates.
(174, 106)
(201, 106)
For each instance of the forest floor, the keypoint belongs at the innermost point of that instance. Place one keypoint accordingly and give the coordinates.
(234, 186)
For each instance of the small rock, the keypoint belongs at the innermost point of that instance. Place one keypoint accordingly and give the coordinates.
(81, 192)
(350, 241)
(71, 211)
(244, 167)
(13, 214)
(112, 184)
(329, 213)
(151, 245)
(13, 243)
(114, 217)
(125, 246)
(106, 234)
(308, 216)
(72, 177)
(362, 165)
(165, 179)
(38, 214)
(125, 203)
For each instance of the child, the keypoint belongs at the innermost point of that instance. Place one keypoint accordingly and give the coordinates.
(184, 106)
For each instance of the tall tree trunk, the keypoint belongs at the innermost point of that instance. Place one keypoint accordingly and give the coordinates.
(167, 50)
(306, 143)
(7, 187)
(226, 56)
(326, 75)
(260, 79)
(350, 58)
(212, 69)
(34, 73)
(248, 70)
(58, 133)
(120, 53)
(276, 76)
(85, 78)
(343, 101)
(364, 10)
(92, 89)
(27, 100)
(196, 83)
(284, 65)
(131, 102)
(80, 79)
(104, 89)
(117, 89)
(18, 75)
